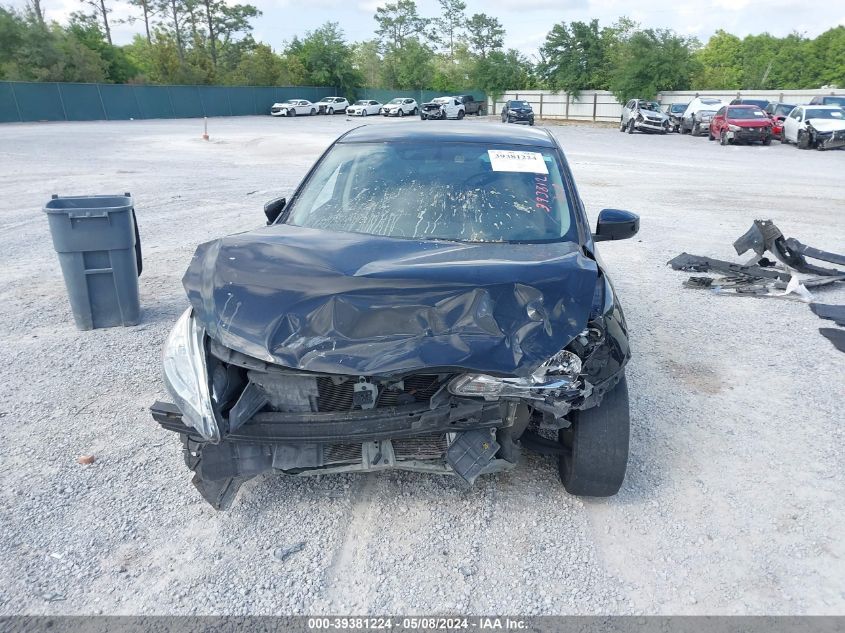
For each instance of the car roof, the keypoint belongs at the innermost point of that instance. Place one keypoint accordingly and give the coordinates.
(743, 106)
(821, 106)
(446, 131)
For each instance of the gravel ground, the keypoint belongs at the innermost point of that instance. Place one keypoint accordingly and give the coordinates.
(733, 501)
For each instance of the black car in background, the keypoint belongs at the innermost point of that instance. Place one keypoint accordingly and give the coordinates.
(760, 103)
(517, 111)
(429, 299)
(829, 100)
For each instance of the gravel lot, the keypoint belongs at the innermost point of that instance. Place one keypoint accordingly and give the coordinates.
(733, 501)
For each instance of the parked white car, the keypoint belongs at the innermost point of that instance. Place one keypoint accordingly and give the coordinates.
(400, 106)
(696, 119)
(332, 105)
(819, 126)
(443, 108)
(292, 107)
(364, 107)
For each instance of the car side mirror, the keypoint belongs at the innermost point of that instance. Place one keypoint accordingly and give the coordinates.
(616, 224)
(274, 208)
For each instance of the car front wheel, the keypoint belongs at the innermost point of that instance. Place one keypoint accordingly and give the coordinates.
(461, 114)
(803, 140)
(723, 138)
(330, 110)
(595, 446)
(783, 137)
(630, 126)
(621, 125)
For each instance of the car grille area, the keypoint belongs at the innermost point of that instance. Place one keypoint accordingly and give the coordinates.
(332, 394)
(420, 447)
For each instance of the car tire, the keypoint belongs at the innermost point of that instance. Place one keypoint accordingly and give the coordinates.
(313, 112)
(401, 112)
(710, 136)
(330, 111)
(630, 126)
(364, 112)
(783, 137)
(696, 129)
(415, 111)
(723, 138)
(767, 140)
(595, 454)
(291, 112)
(803, 140)
(531, 122)
(461, 114)
(621, 125)
(422, 117)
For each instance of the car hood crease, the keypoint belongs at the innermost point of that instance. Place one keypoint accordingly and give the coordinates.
(356, 304)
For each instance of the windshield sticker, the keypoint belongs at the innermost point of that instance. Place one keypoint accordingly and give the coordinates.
(517, 161)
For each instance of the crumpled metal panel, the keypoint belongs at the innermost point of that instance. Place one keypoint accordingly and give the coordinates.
(356, 304)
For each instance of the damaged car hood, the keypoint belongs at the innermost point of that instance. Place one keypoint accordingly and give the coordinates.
(827, 125)
(357, 304)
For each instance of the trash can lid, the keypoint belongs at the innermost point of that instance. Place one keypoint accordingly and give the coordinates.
(89, 206)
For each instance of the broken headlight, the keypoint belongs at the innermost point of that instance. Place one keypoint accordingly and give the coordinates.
(186, 376)
(559, 372)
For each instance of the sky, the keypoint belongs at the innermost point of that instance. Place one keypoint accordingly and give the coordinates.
(526, 21)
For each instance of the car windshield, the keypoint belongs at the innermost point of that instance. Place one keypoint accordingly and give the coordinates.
(468, 192)
(443, 100)
(396, 101)
(678, 107)
(362, 103)
(784, 109)
(650, 105)
(835, 101)
(819, 113)
(746, 113)
(710, 101)
(520, 104)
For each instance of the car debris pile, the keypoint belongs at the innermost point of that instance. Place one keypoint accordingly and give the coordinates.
(791, 276)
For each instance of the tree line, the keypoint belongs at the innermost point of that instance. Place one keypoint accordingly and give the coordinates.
(211, 42)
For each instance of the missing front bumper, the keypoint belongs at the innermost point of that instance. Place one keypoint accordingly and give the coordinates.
(458, 438)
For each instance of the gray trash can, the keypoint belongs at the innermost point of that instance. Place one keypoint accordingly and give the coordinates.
(97, 241)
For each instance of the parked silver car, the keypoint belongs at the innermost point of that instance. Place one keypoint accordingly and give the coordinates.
(645, 116)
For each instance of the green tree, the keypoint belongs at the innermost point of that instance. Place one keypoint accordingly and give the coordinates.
(826, 58)
(87, 30)
(576, 56)
(326, 57)
(101, 13)
(502, 71)
(259, 67)
(367, 61)
(450, 24)
(720, 63)
(652, 61)
(409, 67)
(485, 34)
(399, 21)
(225, 22)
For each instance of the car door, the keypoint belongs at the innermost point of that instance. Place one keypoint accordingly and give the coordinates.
(792, 124)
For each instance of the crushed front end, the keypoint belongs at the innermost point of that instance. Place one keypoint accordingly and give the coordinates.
(328, 360)
(261, 417)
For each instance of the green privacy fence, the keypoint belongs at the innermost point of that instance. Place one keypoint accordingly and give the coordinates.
(25, 101)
